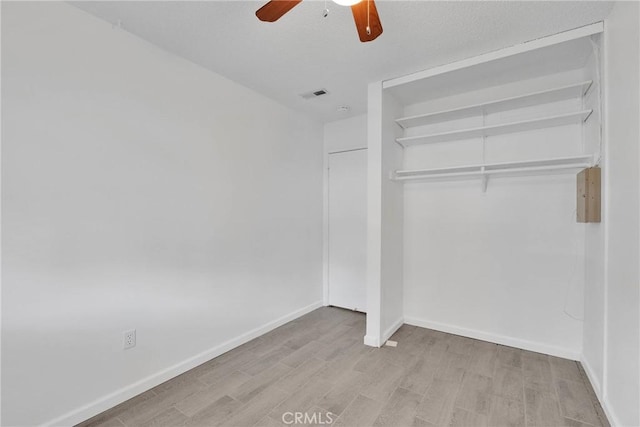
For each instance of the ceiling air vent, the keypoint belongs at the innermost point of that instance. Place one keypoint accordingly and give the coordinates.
(314, 94)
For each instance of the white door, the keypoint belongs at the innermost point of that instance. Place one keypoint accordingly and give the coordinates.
(348, 229)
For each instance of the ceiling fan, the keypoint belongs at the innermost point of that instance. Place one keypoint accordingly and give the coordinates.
(364, 12)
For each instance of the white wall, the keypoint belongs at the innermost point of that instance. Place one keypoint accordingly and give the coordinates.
(346, 134)
(505, 265)
(622, 212)
(139, 191)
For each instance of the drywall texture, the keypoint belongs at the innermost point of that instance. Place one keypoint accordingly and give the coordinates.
(139, 191)
(505, 265)
(622, 371)
(346, 134)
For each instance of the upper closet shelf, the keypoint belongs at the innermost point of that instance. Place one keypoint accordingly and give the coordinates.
(491, 130)
(541, 165)
(533, 98)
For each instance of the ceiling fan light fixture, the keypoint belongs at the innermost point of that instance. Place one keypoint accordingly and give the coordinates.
(347, 2)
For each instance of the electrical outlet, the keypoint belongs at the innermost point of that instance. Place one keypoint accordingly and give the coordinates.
(129, 339)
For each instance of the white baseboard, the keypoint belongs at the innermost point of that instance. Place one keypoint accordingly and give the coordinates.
(392, 330)
(373, 341)
(597, 388)
(496, 338)
(109, 401)
(593, 379)
(606, 407)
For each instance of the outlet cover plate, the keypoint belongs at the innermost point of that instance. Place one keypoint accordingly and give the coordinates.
(129, 339)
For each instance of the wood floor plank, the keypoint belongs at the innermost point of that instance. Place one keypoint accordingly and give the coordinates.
(198, 401)
(267, 421)
(301, 340)
(266, 361)
(295, 379)
(453, 367)
(415, 343)
(257, 384)
(459, 345)
(168, 418)
(318, 365)
(370, 362)
(508, 382)
(419, 375)
(400, 409)
(337, 348)
(216, 413)
(568, 422)
(303, 400)
(537, 374)
(475, 393)
(542, 408)
(302, 354)
(257, 408)
(222, 370)
(169, 395)
(382, 385)
(361, 412)
(419, 422)
(438, 403)
(403, 333)
(357, 320)
(575, 402)
(336, 369)
(483, 358)
(234, 353)
(319, 417)
(507, 412)
(510, 356)
(113, 413)
(103, 422)
(463, 418)
(335, 334)
(565, 369)
(278, 336)
(343, 392)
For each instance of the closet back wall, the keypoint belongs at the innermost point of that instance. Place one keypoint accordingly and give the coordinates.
(139, 191)
(505, 265)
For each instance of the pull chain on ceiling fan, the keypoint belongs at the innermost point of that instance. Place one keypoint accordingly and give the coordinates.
(364, 13)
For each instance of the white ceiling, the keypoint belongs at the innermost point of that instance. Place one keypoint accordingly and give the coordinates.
(304, 51)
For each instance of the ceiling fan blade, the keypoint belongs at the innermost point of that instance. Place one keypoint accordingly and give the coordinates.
(274, 10)
(360, 12)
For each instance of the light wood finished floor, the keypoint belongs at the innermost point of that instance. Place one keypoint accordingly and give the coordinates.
(317, 364)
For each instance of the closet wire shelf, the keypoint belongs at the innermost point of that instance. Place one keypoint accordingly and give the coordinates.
(560, 93)
(500, 129)
(486, 169)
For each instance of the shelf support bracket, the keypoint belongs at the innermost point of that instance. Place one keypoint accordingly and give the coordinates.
(485, 180)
